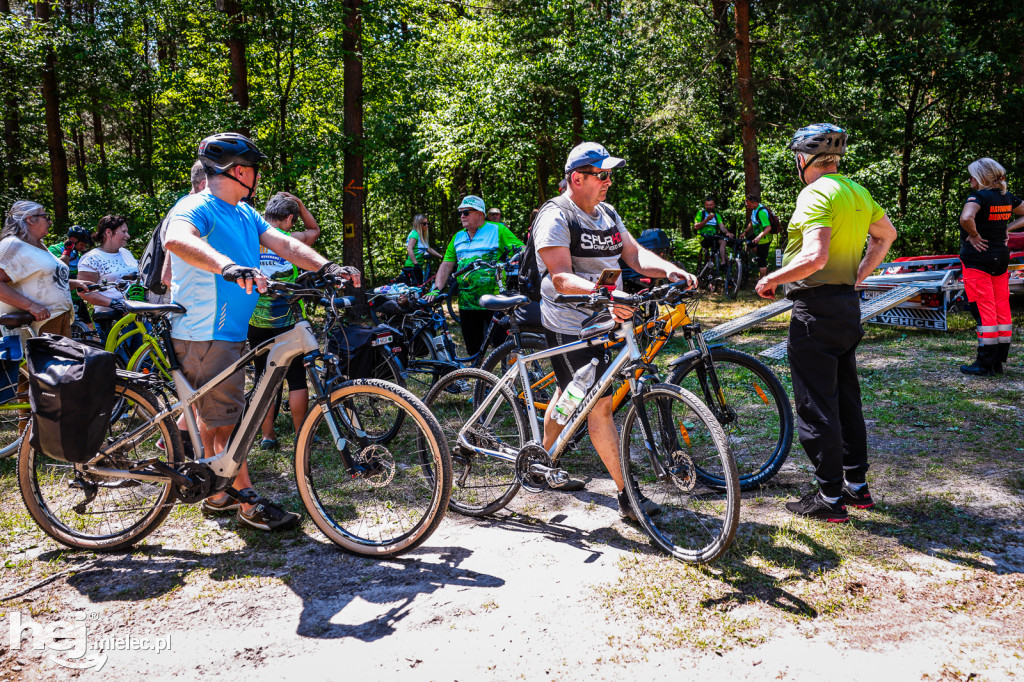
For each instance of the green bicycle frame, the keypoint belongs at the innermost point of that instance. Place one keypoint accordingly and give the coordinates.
(129, 326)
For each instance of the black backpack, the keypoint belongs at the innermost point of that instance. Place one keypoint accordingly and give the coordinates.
(774, 221)
(529, 270)
(151, 265)
(71, 391)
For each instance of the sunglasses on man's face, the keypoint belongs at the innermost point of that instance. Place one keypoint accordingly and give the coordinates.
(465, 212)
(600, 175)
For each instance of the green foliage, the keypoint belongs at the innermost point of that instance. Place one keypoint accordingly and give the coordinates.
(488, 97)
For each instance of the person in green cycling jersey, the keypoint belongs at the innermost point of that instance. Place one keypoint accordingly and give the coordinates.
(760, 226)
(708, 222)
(478, 239)
(418, 248)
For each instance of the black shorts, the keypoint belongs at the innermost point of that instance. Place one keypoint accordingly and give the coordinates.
(710, 242)
(566, 365)
(296, 376)
(763, 251)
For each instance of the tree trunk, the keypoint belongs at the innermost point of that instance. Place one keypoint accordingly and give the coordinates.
(723, 93)
(54, 134)
(99, 144)
(909, 120)
(12, 177)
(236, 55)
(354, 193)
(751, 163)
(80, 159)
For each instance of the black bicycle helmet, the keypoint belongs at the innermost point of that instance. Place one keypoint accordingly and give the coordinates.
(80, 233)
(819, 138)
(225, 150)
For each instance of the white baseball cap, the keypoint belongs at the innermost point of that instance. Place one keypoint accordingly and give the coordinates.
(474, 202)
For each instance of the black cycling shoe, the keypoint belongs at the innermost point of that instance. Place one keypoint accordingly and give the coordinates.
(626, 510)
(861, 499)
(265, 515)
(570, 485)
(814, 506)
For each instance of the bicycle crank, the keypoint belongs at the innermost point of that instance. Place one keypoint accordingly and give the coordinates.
(532, 465)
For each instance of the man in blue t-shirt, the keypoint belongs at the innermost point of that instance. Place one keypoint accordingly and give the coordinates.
(216, 236)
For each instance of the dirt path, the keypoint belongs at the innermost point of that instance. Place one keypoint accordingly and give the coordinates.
(561, 589)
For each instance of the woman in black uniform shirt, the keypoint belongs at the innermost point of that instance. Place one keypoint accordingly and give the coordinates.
(985, 257)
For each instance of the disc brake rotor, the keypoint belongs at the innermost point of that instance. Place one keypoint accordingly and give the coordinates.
(380, 464)
(681, 471)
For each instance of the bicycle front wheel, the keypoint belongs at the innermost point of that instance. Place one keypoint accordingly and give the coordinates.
(733, 275)
(482, 485)
(756, 416)
(684, 517)
(398, 498)
(103, 513)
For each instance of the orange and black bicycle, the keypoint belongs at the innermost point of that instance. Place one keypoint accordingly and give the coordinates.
(743, 393)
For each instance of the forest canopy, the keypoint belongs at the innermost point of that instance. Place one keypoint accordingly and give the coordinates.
(105, 101)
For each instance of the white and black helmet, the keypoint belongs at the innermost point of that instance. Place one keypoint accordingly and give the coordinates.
(819, 138)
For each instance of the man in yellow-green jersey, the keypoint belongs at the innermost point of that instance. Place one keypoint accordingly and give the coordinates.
(824, 260)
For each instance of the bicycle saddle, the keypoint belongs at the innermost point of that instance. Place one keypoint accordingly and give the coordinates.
(17, 319)
(499, 303)
(152, 308)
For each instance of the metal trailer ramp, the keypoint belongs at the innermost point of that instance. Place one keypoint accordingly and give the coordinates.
(868, 310)
(744, 322)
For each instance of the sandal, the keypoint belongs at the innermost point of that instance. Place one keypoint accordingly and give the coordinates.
(265, 515)
(228, 504)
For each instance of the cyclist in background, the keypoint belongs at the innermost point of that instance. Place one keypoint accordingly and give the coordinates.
(77, 244)
(477, 240)
(760, 225)
(708, 222)
(418, 248)
(287, 214)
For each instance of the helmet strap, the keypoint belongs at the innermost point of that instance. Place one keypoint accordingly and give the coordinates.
(800, 170)
(252, 190)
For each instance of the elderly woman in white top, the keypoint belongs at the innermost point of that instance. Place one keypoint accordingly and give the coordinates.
(32, 278)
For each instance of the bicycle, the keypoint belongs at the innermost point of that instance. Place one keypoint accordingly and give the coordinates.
(746, 397)
(709, 276)
(367, 495)
(671, 445)
(735, 273)
(15, 410)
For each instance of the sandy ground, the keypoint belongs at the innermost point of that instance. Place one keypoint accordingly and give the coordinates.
(527, 595)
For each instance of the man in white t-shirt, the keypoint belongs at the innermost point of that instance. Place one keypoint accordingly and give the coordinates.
(577, 236)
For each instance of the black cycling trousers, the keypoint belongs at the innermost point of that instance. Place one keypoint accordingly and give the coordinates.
(823, 335)
(474, 326)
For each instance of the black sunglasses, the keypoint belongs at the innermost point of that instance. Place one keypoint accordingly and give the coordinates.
(465, 212)
(600, 175)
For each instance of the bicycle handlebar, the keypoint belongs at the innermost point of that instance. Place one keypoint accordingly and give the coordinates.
(603, 297)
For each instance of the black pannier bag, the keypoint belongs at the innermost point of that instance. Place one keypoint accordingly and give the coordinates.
(71, 391)
(358, 347)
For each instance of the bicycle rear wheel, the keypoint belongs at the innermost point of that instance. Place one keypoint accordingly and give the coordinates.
(399, 499)
(541, 373)
(482, 485)
(103, 513)
(757, 417)
(689, 520)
